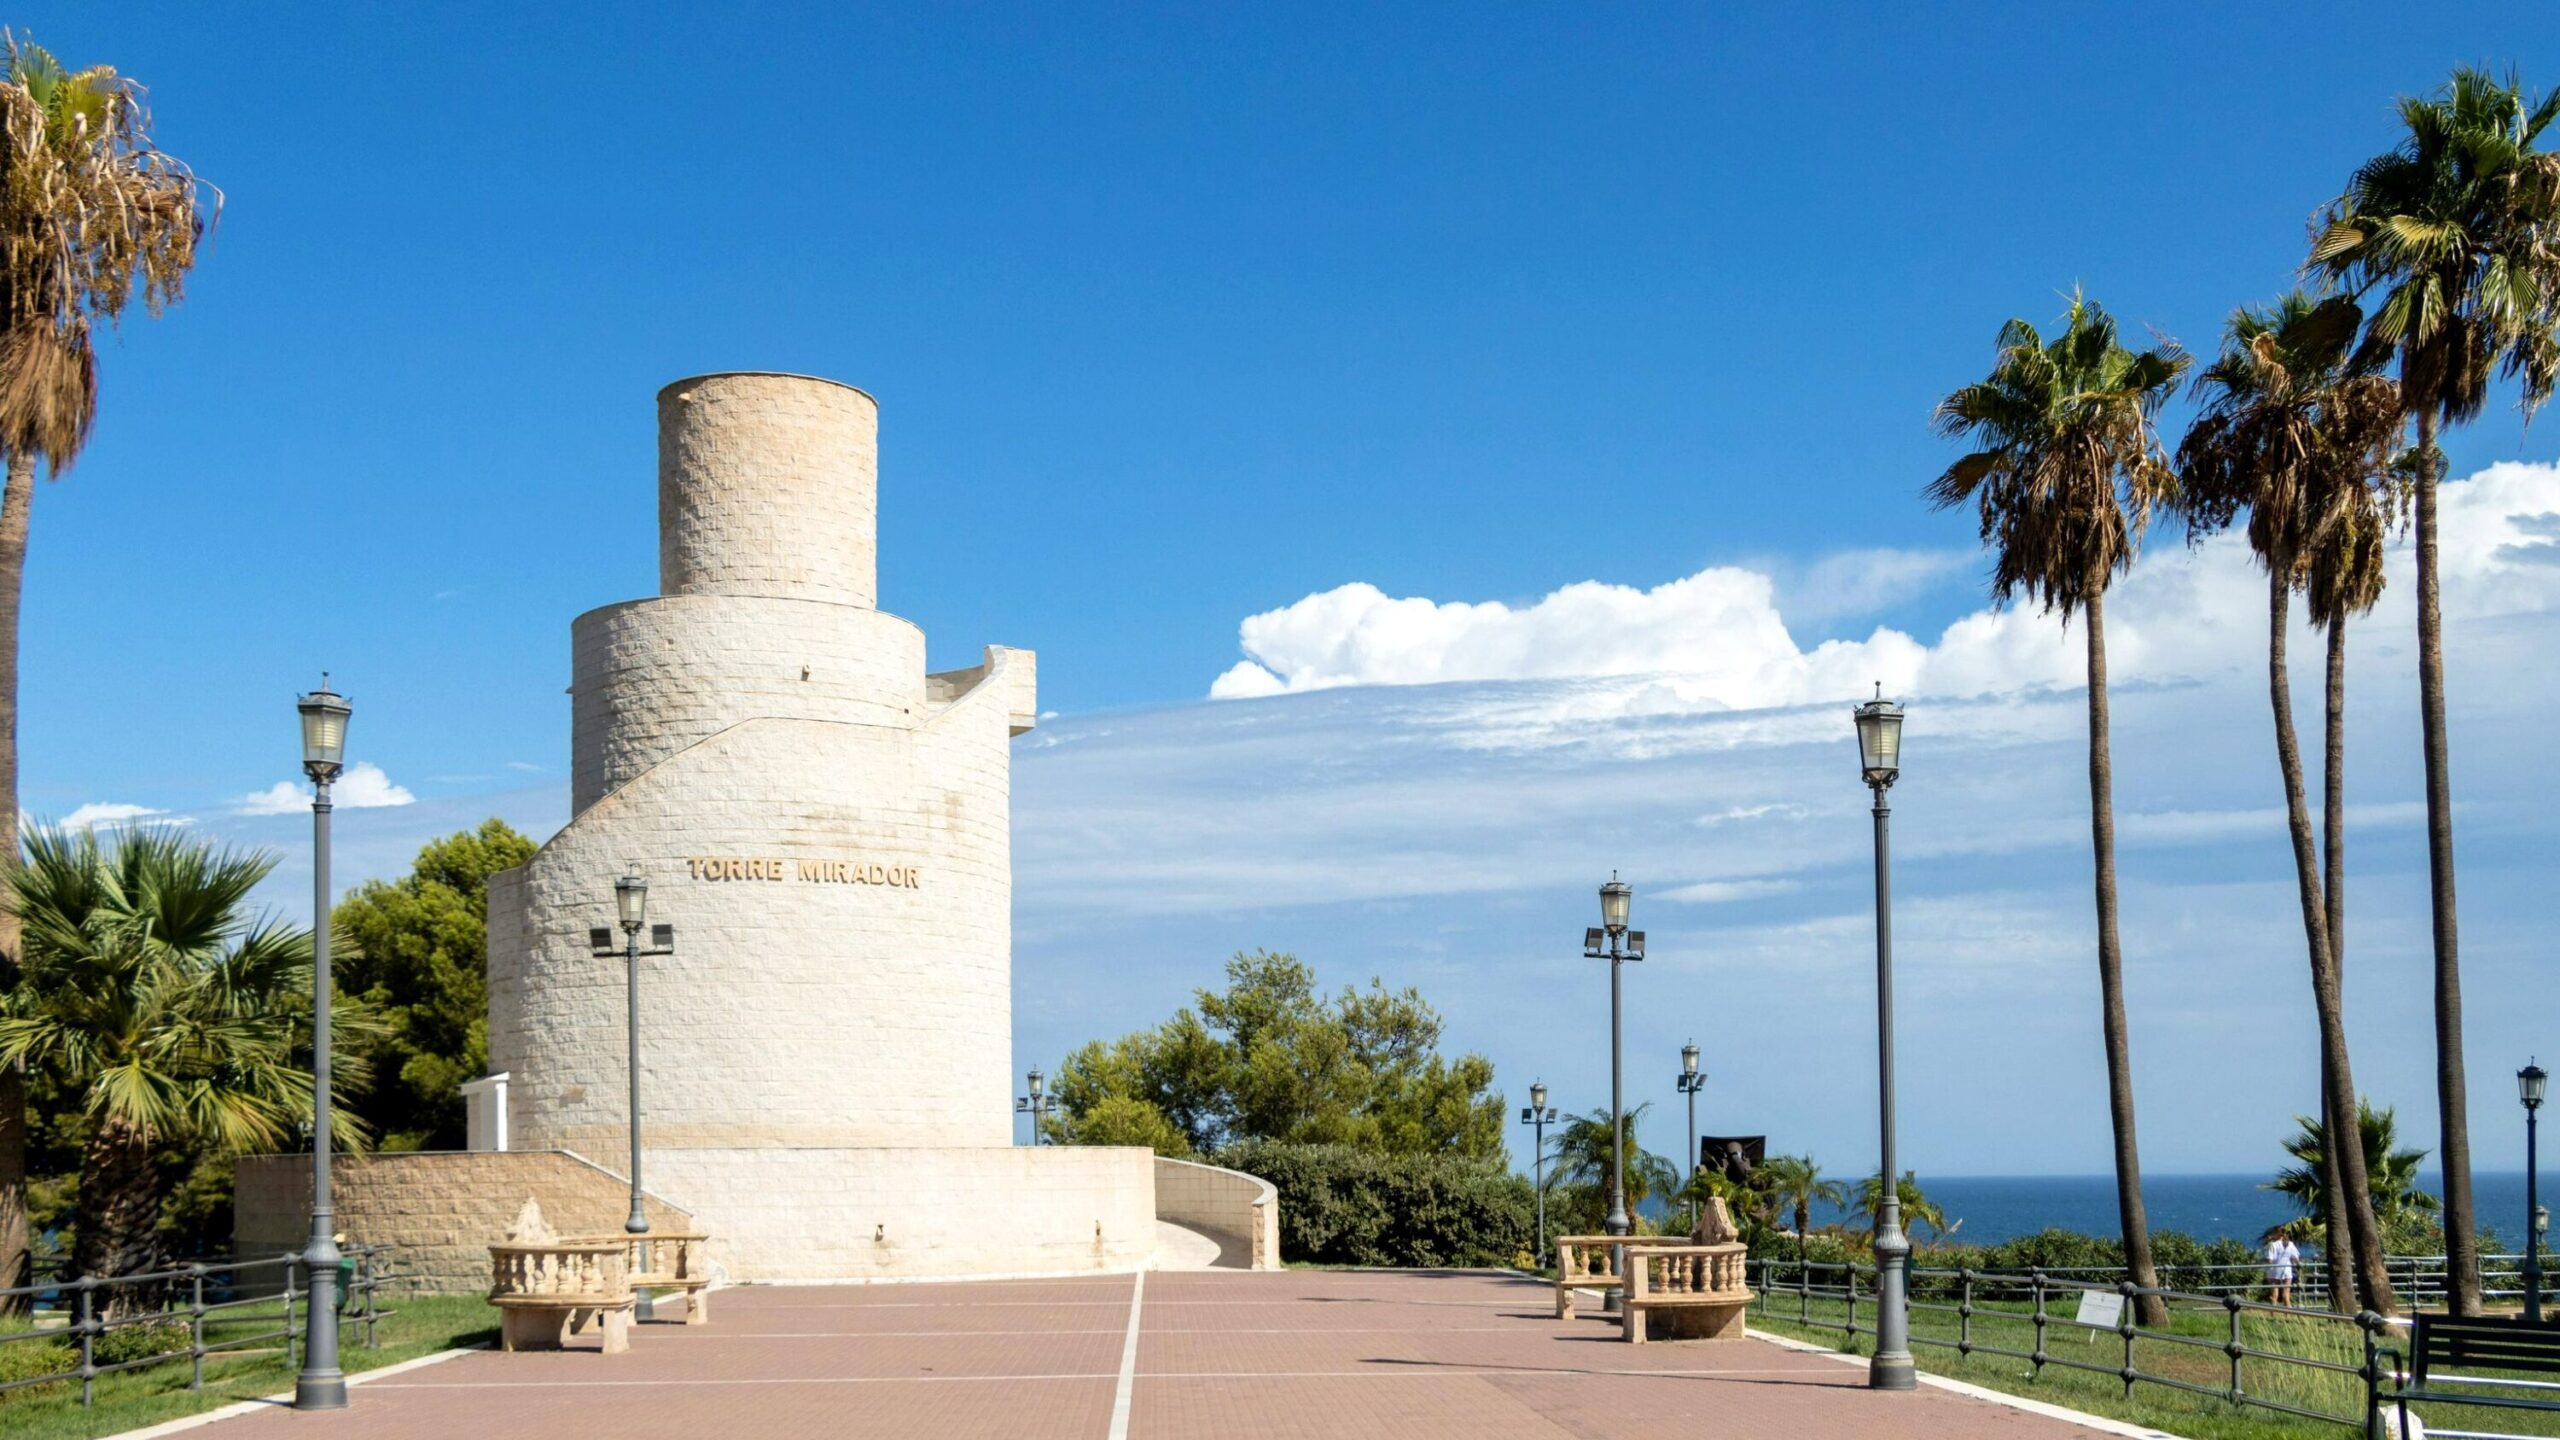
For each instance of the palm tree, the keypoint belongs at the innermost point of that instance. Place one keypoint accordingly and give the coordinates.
(92, 217)
(1917, 1208)
(1582, 1155)
(2391, 1173)
(2066, 476)
(2296, 429)
(151, 994)
(1795, 1181)
(2452, 227)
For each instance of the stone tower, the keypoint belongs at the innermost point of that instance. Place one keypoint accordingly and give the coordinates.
(825, 824)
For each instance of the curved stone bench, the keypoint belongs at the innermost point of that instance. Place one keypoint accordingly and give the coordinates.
(546, 1291)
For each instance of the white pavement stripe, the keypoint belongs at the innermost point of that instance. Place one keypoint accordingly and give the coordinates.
(1125, 1378)
(1128, 1362)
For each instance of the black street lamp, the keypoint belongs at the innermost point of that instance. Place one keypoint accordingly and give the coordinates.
(631, 911)
(1540, 1114)
(1691, 1081)
(2529, 1082)
(1612, 941)
(1036, 1104)
(1880, 759)
(321, 1385)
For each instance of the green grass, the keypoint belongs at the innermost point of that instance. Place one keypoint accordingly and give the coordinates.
(2163, 1407)
(423, 1325)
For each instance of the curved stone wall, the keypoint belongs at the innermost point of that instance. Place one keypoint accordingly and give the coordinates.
(1240, 1211)
(768, 485)
(650, 677)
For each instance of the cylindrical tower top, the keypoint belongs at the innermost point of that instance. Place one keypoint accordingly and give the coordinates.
(768, 485)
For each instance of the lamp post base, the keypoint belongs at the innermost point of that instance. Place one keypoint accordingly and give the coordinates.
(1892, 1372)
(320, 1392)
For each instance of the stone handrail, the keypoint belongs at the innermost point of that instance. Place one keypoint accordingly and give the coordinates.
(665, 1261)
(1240, 1211)
(545, 1290)
(1681, 1289)
(1586, 1262)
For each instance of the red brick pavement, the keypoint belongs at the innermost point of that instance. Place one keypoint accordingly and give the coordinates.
(1297, 1355)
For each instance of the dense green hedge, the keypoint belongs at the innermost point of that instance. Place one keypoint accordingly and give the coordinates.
(1345, 1206)
(2182, 1259)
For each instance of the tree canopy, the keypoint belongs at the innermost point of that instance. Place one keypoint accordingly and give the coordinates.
(1272, 1058)
(416, 951)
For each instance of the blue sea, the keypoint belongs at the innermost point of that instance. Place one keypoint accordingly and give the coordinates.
(2209, 1207)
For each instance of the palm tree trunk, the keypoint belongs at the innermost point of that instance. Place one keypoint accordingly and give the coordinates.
(15, 506)
(2339, 1236)
(2149, 1310)
(119, 1212)
(2453, 1120)
(2338, 1096)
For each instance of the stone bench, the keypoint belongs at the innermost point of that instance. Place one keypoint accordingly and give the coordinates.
(1583, 1262)
(1682, 1290)
(666, 1262)
(547, 1290)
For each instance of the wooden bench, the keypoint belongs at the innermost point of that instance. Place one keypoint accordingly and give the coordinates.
(1682, 1290)
(2439, 1344)
(666, 1262)
(1583, 1262)
(547, 1290)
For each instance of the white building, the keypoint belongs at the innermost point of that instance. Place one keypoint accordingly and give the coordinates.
(826, 1059)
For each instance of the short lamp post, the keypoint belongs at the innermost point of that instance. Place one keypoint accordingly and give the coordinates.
(1037, 1104)
(1691, 1081)
(1612, 941)
(1541, 1115)
(631, 912)
(2529, 1083)
(1880, 759)
(321, 1385)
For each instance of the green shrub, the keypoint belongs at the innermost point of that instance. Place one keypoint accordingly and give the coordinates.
(27, 1359)
(1345, 1206)
(140, 1341)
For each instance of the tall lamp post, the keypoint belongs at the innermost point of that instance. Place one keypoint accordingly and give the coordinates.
(1612, 941)
(1541, 1115)
(1691, 1081)
(1880, 758)
(631, 911)
(2529, 1083)
(1036, 1104)
(321, 1385)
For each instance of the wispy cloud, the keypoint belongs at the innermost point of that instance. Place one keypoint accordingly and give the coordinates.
(362, 787)
(111, 812)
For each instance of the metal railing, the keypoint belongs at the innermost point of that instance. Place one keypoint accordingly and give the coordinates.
(227, 1308)
(2350, 1375)
(2419, 1281)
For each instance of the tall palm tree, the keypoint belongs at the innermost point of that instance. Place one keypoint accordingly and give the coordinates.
(2448, 236)
(2067, 473)
(2392, 1189)
(1795, 1181)
(1582, 1155)
(2296, 429)
(93, 216)
(151, 993)
(1918, 1210)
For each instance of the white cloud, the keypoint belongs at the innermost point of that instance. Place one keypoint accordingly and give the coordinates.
(362, 787)
(113, 812)
(1718, 892)
(1717, 640)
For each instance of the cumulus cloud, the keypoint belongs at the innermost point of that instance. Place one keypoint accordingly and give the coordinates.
(107, 812)
(362, 787)
(1718, 639)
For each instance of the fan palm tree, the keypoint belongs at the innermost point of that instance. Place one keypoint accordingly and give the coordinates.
(2447, 236)
(2391, 1173)
(93, 216)
(1795, 1182)
(1582, 1156)
(2067, 473)
(2296, 430)
(150, 993)
(1917, 1208)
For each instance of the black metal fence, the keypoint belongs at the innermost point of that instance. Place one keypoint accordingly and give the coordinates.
(111, 1325)
(2328, 1367)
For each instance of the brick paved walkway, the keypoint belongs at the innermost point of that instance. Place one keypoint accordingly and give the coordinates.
(1309, 1354)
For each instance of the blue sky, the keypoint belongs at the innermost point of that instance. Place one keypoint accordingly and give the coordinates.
(1191, 317)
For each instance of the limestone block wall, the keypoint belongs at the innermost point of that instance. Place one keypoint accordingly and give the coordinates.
(440, 1209)
(918, 1213)
(651, 677)
(768, 485)
(1242, 1211)
(795, 1012)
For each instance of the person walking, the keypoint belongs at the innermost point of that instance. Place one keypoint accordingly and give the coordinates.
(2283, 1259)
